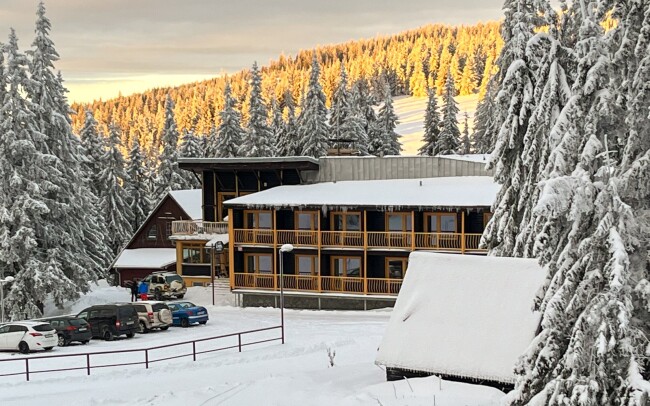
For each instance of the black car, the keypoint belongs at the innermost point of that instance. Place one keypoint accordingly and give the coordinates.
(71, 329)
(110, 321)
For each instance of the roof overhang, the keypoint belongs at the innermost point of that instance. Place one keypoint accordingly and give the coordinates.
(300, 163)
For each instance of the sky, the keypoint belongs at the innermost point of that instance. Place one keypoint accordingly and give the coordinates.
(124, 46)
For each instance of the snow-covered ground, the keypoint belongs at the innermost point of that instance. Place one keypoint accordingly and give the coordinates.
(410, 111)
(296, 373)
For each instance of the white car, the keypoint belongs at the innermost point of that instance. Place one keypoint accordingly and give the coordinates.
(26, 336)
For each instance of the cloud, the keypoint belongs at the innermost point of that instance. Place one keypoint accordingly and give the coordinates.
(115, 37)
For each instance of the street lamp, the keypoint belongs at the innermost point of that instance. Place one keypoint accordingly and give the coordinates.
(8, 279)
(283, 249)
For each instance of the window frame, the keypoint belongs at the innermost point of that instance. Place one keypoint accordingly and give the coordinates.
(256, 219)
(438, 216)
(345, 270)
(387, 260)
(256, 263)
(204, 255)
(313, 220)
(314, 264)
(345, 214)
(406, 217)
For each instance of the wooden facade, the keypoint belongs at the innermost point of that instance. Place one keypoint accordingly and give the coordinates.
(360, 251)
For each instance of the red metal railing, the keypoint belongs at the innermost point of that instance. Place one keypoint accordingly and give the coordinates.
(147, 360)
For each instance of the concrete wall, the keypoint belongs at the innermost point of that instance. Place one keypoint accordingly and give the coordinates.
(398, 167)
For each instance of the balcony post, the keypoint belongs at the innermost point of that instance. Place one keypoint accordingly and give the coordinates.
(462, 232)
(318, 242)
(412, 230)
(365, 252)
(275, 253)
(231, 249)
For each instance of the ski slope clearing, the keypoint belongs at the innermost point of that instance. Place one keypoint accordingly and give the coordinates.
(410, 112)
(297, 373)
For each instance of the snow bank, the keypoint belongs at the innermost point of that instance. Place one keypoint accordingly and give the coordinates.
(462, 315)
(190, 201)
(458, 191)
(101, 293)
(147, 258)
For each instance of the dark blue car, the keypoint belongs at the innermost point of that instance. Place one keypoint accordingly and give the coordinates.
(186, 313)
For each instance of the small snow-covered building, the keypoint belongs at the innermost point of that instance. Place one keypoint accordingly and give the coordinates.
(462, 317)
(151, 248)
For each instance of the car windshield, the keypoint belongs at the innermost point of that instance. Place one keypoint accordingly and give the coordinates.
(43, 327)
(171, 278)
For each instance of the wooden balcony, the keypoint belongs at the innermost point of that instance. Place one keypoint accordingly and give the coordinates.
(198, 227)
(408, 241)
(318, 284)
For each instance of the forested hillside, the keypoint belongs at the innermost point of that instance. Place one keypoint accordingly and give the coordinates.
(409, 62)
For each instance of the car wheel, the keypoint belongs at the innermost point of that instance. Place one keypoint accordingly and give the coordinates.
(84, 342)
(108, 335)
(130, 335)
(164, 328)
(185, 323)
(23, 347)
(62, 341)
(142, 328)
(48, 348)
(203, 322)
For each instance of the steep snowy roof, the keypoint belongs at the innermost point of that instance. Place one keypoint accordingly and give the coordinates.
(459, 191)
(190, 201)
(463, 315)
(148, 258)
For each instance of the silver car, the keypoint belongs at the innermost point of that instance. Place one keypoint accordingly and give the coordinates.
(152, 315)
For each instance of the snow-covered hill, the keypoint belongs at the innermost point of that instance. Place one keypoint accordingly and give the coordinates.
(410, 111)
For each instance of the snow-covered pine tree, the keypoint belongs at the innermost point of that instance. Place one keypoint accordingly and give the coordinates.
(71, 245)
(190, 148)
(169, 175)
(362, 102)
(94, 147)
(112, 200)
(230, 133)
(258, 138)
(465, 146)
(514, 107)
(592, 348)
(431, 124)
(278, 127)
(137, 189)
(288, 142)
(483, 120)
(449, 136)
(312, 121)
(22, 197)
(387, 121)
(346, 123)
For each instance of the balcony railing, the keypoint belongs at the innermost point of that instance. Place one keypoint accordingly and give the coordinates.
(315, 283)
(197, 227)
(450, 242)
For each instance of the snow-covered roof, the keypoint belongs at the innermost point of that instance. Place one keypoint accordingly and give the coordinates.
(148, 258)
(223, 238)
(190, 201)
(484, 158)
(463, 315)
(459, 191)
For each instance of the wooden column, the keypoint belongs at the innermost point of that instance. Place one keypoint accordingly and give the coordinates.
(275, 251)
(218, 214)
(179, 257)
(462, 232)
(365, 252)
(318, 239)
(231, 249)
(412, 230)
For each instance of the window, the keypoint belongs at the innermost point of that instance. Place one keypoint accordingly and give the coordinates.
(259, 263)
(306, 264)
(440, 222)
(4, 329)
(168, 230)
(152, 234)
(346, 221)
(399, 222)
(258, 219)
(306, 220)
(396, 267)
(222, 197)
(195, 254)
(346, 266)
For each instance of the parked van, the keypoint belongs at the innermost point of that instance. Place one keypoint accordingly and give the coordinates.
(112, 320)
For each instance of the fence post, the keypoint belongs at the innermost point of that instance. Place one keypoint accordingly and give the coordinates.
(239, 338)
(27, 368)
(88, 363)
(146, 359)
(194, 350)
